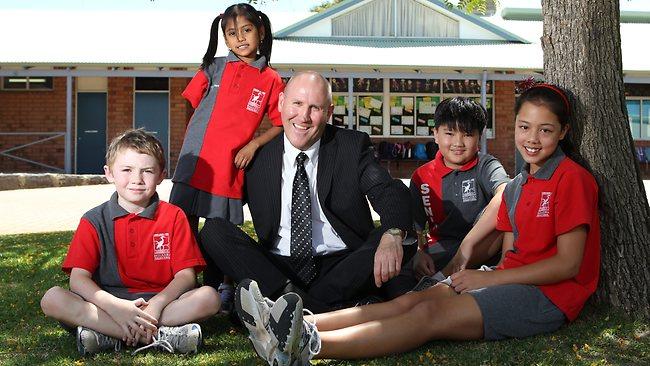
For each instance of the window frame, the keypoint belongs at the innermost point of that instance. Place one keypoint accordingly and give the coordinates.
(48, 80)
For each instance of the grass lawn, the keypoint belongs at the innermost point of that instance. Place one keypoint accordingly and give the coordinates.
(30, 264)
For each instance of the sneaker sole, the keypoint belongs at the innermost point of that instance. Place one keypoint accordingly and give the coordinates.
(80, 347)
(245, 305)
(286, 323)
(248, 313)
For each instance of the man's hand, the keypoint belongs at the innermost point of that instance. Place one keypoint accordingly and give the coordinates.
(388, 258)
(130, 317)
(423, 264)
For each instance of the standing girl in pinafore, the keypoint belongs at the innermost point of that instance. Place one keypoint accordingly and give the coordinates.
(230, 95)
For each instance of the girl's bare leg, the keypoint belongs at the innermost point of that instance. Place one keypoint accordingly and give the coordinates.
(455, 317)
(352, 316)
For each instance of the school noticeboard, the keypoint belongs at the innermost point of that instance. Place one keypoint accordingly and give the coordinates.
(369, 108)
(402, 115)
(426, 107)
(340, 114)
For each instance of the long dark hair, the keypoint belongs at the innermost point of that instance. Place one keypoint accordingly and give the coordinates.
(558, 101)
(259, 19)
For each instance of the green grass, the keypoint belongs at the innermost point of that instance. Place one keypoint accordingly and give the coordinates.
(30, 264)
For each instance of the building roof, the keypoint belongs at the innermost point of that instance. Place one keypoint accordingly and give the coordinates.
(98, 40)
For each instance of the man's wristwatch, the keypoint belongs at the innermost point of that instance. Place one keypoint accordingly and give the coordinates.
(397, 232)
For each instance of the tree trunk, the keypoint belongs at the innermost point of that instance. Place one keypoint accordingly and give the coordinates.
(582, 52)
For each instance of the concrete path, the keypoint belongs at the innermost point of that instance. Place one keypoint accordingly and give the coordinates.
(57, 209)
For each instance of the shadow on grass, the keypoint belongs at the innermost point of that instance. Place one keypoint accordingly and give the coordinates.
(30, 264)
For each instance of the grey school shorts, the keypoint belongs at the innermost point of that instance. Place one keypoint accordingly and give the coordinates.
(516, 311)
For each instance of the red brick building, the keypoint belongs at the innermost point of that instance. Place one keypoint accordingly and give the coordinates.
(60, 103)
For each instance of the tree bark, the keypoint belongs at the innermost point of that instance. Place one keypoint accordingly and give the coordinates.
(582, 52)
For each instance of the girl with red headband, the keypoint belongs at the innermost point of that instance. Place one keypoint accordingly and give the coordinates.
(550, 265)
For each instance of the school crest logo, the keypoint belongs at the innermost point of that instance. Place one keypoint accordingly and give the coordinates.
(161, 247)
(255, 102)
(545, 205)
(469, 190)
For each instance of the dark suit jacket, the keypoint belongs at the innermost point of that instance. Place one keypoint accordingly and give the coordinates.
(347, 173)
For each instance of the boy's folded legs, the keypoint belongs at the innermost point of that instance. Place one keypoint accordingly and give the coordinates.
(96, 331)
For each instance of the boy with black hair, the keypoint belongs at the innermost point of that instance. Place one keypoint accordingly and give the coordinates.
(457, 195)
(133, 262)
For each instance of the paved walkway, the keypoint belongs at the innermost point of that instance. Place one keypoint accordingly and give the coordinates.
(57, 209)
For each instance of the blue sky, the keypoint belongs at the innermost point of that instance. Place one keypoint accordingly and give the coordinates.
(187, 5)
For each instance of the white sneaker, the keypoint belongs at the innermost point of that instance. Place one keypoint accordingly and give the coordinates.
(310, 343)
(184, 339)
(90, 342)
(254, 311)
(286, 328)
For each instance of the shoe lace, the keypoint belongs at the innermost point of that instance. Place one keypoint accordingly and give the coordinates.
(311, 331)
(165, 344)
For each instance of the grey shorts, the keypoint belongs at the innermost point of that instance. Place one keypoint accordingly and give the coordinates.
(516, 311)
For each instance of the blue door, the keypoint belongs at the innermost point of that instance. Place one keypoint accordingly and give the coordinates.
(91, 133)
(152, 113)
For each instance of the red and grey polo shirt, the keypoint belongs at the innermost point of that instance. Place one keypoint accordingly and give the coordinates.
(231, 98)
(450, 200)
(538, 208)
(133, 253)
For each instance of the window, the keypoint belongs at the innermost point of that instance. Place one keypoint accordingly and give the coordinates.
(402, 113)
(371, 120)
(151, 84)
(340, 114)
(27, 83)
(410, 104)
(638, 112)
(367, 113)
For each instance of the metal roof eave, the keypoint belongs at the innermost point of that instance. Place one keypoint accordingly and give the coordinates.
(535, 15)
(393, 42)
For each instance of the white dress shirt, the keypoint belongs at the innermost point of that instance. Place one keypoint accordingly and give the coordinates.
(324, 238)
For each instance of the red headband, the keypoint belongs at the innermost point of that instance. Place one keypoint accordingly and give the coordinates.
(556, 90)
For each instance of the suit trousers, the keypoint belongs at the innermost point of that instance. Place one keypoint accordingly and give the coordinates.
(342, 279)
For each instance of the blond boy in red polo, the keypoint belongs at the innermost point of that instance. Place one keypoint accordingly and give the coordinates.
(133, 262)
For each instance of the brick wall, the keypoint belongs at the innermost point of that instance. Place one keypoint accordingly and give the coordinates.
(120, 106)
(502, 146)
(33, 111)
(180, 111)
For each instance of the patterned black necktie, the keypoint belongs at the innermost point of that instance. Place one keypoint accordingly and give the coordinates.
(301, 248)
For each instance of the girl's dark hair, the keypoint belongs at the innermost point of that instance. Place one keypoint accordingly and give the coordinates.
(461, 113)
(259, 19)
(556, 100)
